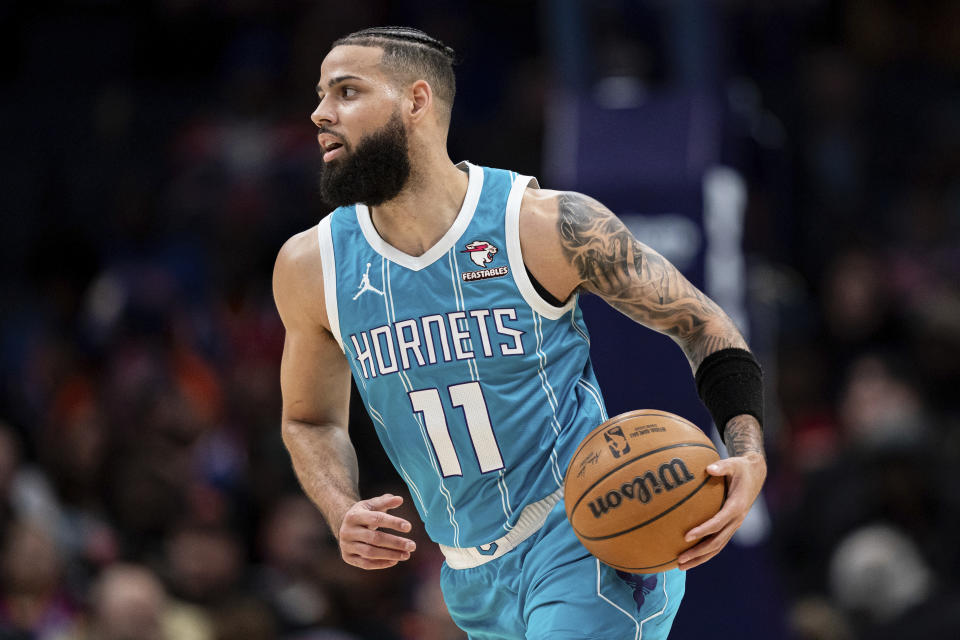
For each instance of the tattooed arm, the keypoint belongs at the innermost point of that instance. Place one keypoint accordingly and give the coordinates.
(571, 242)
(638, 281)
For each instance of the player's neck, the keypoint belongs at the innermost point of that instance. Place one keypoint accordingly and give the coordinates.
(422, 213)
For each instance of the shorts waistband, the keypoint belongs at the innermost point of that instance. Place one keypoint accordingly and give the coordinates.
(531, 519)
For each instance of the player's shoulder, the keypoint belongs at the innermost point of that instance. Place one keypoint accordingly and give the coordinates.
(539, 208)
(543, 207)
(300, 255)
(298, 277)
(540, 201)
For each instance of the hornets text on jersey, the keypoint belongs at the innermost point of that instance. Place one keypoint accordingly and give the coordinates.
(479, 389)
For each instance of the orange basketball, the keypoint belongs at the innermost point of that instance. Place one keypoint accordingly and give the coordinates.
(637, 484)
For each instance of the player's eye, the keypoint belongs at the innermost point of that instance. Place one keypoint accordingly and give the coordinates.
(348, 92)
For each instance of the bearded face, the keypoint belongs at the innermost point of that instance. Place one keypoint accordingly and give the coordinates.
(373, 172)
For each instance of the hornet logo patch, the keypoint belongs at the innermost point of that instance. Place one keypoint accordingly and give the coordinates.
(642, 586)
(481, 254)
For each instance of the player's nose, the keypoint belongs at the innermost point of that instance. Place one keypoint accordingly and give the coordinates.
(323, 114)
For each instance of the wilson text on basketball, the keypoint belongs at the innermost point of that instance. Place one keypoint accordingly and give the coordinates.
(643, 487)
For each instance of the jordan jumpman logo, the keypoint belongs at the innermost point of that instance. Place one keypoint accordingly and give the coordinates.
(365, 284)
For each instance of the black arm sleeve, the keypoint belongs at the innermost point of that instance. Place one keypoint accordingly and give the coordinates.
(730, 383)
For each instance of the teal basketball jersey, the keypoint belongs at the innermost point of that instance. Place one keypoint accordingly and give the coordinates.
(479, 389)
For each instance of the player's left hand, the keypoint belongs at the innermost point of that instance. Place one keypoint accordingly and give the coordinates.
(745, 476)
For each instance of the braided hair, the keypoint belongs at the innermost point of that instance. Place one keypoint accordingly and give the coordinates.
(411, 55)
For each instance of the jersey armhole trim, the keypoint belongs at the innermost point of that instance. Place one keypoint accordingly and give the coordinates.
(515, 254)
(329, 265)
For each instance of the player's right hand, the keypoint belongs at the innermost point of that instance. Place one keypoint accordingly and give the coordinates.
(363, 545)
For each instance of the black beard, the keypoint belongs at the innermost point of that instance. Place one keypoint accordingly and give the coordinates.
(374, 172)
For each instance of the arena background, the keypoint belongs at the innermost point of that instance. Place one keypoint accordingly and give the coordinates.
(799, 159)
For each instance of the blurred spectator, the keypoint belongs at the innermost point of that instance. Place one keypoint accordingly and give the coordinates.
(128, 602)
(881, 409)
(205, 564)
(291, 579)
(855, 304)
(885, 468)
(207, 569)
(34, 602)
(877, 573)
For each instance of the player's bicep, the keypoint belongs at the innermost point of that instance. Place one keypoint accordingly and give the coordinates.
(626, 273)
(314, 374)
(314, 378)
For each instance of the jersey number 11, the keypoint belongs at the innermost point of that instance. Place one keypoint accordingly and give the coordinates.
(469, 397)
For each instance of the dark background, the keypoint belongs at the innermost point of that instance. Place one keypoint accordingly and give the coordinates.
(155, 156)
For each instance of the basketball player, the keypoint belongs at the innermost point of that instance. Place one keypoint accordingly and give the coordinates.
(450, 294)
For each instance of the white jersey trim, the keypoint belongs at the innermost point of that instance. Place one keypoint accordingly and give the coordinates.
(329, 265)
(515, 254)
(613, 604)
(529, 521)
(449, 239)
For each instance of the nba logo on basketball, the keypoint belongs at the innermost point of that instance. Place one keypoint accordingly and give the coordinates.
(617, 441)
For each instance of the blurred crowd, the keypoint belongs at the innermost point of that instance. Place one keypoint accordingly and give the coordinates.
(864, 489)
(155, 160)
(163, 155)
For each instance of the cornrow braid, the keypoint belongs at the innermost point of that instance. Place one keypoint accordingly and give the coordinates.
(410, 55)
(406, 34)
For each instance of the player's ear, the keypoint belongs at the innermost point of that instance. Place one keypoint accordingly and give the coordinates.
(421, 99)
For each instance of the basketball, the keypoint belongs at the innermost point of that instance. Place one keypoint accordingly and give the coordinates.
(637, 484)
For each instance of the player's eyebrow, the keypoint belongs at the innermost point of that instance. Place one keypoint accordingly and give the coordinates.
(335, 81)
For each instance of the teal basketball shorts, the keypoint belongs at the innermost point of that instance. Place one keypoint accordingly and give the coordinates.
(550, 587)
